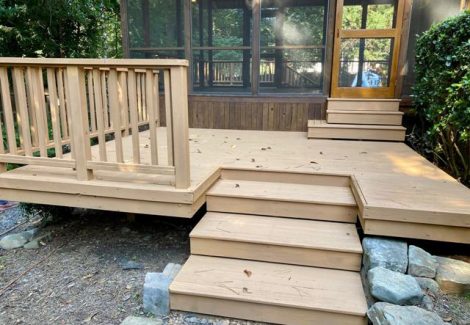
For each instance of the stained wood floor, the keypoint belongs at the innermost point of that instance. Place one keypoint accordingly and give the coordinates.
(399, 193)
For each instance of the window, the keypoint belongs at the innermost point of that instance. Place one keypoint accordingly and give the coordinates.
(221, 45)
(156, 28)
(289, 58)
(292, 45)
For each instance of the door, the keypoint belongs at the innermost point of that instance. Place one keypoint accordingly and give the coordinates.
(366, 48)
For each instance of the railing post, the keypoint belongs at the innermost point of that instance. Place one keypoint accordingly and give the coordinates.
(77, 104)
(179, 102)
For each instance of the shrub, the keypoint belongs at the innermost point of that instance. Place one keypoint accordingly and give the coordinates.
(442, 95)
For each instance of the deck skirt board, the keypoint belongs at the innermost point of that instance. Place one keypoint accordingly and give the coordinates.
(271, 284)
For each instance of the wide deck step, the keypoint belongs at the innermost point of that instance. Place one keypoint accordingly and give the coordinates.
(323, 130)
(268, 292)
(315, 202)
(364, 117)
(361, 104)
(282, 240)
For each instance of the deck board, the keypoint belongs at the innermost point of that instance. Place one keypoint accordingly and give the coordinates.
(392, 177)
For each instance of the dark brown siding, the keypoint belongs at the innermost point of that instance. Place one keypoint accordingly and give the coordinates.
(254, 113)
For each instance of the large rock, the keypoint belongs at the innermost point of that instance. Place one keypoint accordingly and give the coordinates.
(383, 313)
(428, 284)
(156, 290)
(132, 320)
(453, 276)
(421, 263)
(17, 240)
(394, 287)
(388, 253)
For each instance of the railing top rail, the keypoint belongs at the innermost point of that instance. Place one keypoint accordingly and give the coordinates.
(9, 61)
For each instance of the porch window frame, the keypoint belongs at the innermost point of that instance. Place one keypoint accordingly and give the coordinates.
(255, 48)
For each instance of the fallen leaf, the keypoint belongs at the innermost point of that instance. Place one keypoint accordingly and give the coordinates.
(248, 273)
(89, 318)
(245, 290)
(237, 185)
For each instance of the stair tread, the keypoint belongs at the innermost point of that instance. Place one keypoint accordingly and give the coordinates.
(337, 111)
(272, 284)
(284, 192)
(331, 236)
(324, 124)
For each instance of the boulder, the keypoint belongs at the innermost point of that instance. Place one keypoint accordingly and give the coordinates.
(453, 276)
(421, 263)
(17, 240)
(383, 313)
(394, 287)
(388, 253)
(156, 290)
(428, 284)
(132, 320)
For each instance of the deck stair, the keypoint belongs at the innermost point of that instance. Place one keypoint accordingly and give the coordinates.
(268, 251)
(360, 119)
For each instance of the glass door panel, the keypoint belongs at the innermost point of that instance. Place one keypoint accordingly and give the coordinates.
(366, 48)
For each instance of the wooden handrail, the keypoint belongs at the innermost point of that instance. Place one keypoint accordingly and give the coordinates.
(69, 102)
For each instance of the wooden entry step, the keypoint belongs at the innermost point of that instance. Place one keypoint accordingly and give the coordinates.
(269, 292)
(323, 130)
(364, 117)
(363, 104)
(303, 201)
(281, 240)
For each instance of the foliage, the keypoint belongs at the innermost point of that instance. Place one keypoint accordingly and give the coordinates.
(442, 95)
(60, 28)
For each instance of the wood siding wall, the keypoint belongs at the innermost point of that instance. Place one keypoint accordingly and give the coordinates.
(255, 113)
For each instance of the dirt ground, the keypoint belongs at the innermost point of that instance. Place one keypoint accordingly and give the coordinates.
(80, 277)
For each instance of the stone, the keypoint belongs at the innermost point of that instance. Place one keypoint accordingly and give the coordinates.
(394, 287)
(131, 265)
(133, 320)
(453, 276)
(428, 284)
(427, 303)
(383, 313)
(156, 290)
(17, 240)
(388, 253)
(421, 263)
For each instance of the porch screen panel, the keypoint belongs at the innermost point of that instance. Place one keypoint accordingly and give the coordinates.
(221, 45)
(293, 36)
(156, 28)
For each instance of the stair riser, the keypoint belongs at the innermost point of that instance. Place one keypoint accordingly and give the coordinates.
(365, 119)
(356, 134)
(299, 210)
(279, 254)
(281, 177)
(387, 106)
(260, 312)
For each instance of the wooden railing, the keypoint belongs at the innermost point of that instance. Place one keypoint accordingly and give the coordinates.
(51, 106)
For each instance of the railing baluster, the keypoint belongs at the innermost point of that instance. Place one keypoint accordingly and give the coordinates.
(31, 99)
(115, 113)
(104, 96)
(151, 108)
(139, 96)
(99, 114)
(123, 102)
(7, 110)
(169, 119)
(134, 118)
(51, 82)
(22, 110)
(91, 99)
(76, 93)
(38, 108)
(62, 104)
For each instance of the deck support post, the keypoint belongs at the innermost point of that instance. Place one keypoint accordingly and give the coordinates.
(179, 116)
(80, 129)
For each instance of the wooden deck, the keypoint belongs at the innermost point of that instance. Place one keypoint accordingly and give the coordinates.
(398, 192)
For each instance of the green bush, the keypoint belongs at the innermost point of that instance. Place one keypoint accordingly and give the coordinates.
(442, 95)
